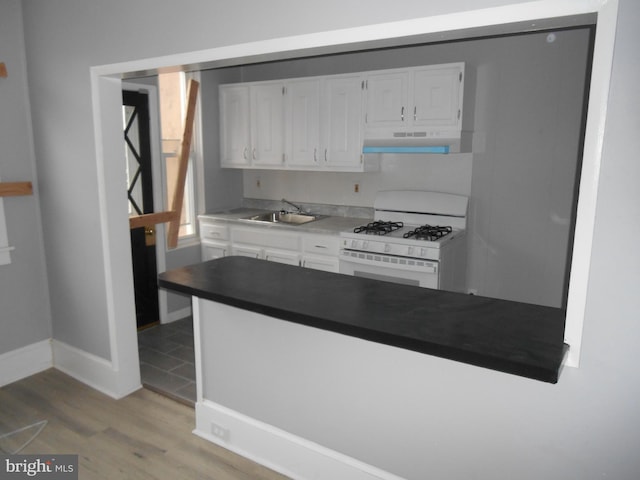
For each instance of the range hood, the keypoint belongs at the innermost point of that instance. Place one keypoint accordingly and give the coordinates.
(435, 142)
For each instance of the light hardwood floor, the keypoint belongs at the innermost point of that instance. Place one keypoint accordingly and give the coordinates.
(142, 436)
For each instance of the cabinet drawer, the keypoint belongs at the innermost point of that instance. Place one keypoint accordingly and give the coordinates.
(210, 231)
(321, 244)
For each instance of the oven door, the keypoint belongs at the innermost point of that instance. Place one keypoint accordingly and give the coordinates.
(389, 268)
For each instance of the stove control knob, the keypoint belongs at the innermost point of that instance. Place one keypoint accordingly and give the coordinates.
(354, 244)
(387, 248)
(410, 251)
(423, 252)
(365, 244)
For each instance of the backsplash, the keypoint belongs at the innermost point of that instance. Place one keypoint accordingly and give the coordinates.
(442, 173)
(317, 208)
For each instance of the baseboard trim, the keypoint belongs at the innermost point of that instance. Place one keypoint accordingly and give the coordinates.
(94, 371)
(288, 454)
(178, 314)
(24, 362)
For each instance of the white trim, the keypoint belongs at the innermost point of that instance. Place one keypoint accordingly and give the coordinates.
(279, 450)
(113, 221)
(94, 371)
(589, 179)
(116, 242)
(24, 362)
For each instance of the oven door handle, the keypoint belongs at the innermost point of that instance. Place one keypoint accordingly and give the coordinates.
(412, 264)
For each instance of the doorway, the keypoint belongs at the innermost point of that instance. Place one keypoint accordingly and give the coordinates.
(135, 109)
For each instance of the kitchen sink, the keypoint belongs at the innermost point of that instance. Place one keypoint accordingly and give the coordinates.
(284, 217)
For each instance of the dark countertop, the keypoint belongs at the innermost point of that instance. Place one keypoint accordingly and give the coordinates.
(511, 337)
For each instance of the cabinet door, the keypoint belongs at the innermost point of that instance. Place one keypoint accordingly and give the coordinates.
(387, 100)
(246, 251)
(235, 126)
(267, 125)
(302, 123)
(281, 256)
(213, 250)
(437, 96)
(342, 121)
(326, 264)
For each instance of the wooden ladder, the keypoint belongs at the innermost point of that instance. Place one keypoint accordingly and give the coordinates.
(173, 216)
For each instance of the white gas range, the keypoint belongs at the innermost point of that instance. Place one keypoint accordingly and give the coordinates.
(416, 238)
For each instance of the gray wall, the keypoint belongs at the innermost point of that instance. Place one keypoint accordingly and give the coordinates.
(586, 425)
(523, 100)
(222, 186)
(25, 314)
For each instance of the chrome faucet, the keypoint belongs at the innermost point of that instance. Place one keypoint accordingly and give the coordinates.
(297, 207)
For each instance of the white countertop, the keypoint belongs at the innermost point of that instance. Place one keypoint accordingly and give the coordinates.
(328, 225)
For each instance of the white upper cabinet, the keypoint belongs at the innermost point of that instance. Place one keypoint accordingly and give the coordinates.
(235, 126)
(302, 123)
(252, 125)
(418, 105)
(267, 125)
(437, 97)
(341, 122)
(387, 99)
(322, 123)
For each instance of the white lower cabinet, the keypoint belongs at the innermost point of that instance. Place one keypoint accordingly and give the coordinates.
(266, 243)
(320, 252)
(282, 256)
(246, 251)
(214, 240)
(213, 250)
(309, 250)
(326, 264)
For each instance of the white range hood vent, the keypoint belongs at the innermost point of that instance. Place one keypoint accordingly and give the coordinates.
(420, 142)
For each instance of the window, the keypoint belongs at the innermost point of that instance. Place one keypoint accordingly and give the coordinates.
(173, 92)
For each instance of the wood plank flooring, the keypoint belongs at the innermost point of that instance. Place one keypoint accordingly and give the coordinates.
(143, 436)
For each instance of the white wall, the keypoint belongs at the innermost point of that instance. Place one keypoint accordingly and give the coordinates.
(25, 314)
(584, 427)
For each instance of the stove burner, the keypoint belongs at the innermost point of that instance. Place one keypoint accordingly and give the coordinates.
(427, 232)
(378, 228)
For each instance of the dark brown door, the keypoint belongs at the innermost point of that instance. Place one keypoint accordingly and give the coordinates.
(135, 107)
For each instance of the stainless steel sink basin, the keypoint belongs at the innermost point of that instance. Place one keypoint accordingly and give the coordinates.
(284, 217)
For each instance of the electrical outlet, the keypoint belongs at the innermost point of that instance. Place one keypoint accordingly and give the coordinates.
(219, 431)
(356, 187)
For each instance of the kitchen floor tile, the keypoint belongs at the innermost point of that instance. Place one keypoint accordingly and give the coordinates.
(186, 370)
(161, 379)
(167, 360)
(158, 359)
(184, 353)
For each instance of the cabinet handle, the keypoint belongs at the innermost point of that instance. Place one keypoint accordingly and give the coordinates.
(244, 153)
(402, 114)
(253, 153)
(315, 155)
(325, 154)
(415, 113)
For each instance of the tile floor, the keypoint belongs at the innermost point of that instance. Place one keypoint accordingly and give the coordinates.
(167, 360)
